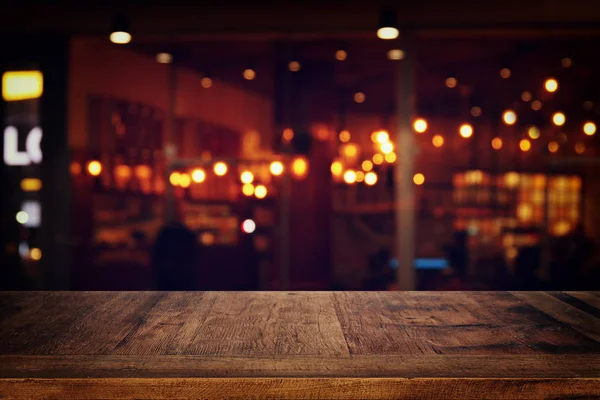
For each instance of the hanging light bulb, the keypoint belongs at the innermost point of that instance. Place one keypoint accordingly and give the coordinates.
(120, 33)
(387, 25)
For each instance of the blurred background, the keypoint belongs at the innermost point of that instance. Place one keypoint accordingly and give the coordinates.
(302, 146)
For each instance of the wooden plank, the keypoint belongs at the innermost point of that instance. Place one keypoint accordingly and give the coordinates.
(299, 388)
(565, 313)
(275, 323)
(167, 327)
(429, 366)
(591, 298)
(115, 317)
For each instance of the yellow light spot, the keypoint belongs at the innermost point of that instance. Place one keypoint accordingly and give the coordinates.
(294, 66)
(349, 176)
(260, 192)
(561, 228)
(22, 85)
(276, 168)
(533, 132)
(123, 171)
(377, 159)
(248, 189)
(579, 148)
(525, 145)
(344, 136)
(75, 168)
(246, 177)
(387, 33)
(390, 157)
(22, 217)
(524, 212)
(437, 140)
(359, 97)
(476, 111)
(249, 74)
(395, 54)
(382, 137)
(360, 176)
(288, 134)
(336, 168)
(505, 73)
(350, 150)
(164, 58)
(94, 168)
(120, 37)
(207, 238)
(35, 254)
(526, 96)
(198, 175)
(451, 82)
(300, 167)
(558, 119)
(420, 125)
(512, 179)
(341, 55)
(419, 179)
(206, 82)
(175, 178)
(536, 105)
(367, 165)
(553, 147)
(589, 128)
(387, 147)
(551, 85)
(185, 181)
(509, 117)
(370, 178)
(31, 184)
(220, 168)
(143, 171)
(466, 131)
(496, 143)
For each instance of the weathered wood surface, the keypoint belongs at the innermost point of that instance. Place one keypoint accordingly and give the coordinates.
(298, 345)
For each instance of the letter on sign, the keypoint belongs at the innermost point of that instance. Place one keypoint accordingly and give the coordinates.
(32, 153)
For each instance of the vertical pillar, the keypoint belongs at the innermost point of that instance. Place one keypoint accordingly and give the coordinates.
(404, 241)
(284, 233)
(169, 144)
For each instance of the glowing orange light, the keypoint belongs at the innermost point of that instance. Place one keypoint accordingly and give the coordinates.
(220, 168)
(420, 125)
(276, 168)
(387, 33)
(185, 181)
(551, 85)
(94, 168)
(350, 150)
(466, 131)
(533, 132)
(505, 73)
(198, 175)
(288, 134)
(260, 192)
(377, 159)
(497, 143)
(246, 177)
(390, 157)
(359, 97)
(367, 165)
(300, 167)
(249, 74)
(589, 128)
(248, 189)
(294, 66)
(526, 96)
(451, 82)
(206, 82)
(437, 140)
(370, 178)
(525, 145)
(509, 117)
(579, 148)
(558, 119)
(344, 136)
(349, 176)
(553, 147)
(476, 111)
(536, 105)
(419, 179)
(341, 55)
(336, 168)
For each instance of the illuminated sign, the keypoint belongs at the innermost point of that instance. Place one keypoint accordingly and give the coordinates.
(32, 153)
(22, 85)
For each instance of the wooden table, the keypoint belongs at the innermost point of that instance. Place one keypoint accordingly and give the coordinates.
(291, 345)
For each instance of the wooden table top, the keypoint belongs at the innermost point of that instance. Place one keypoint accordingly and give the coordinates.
(367, 345)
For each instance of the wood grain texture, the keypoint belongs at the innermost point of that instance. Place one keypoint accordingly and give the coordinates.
(413, 345)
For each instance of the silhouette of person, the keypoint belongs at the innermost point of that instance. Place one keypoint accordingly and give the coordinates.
(175, 257)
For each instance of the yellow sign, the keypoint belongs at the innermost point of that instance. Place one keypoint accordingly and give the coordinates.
(22, 85)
